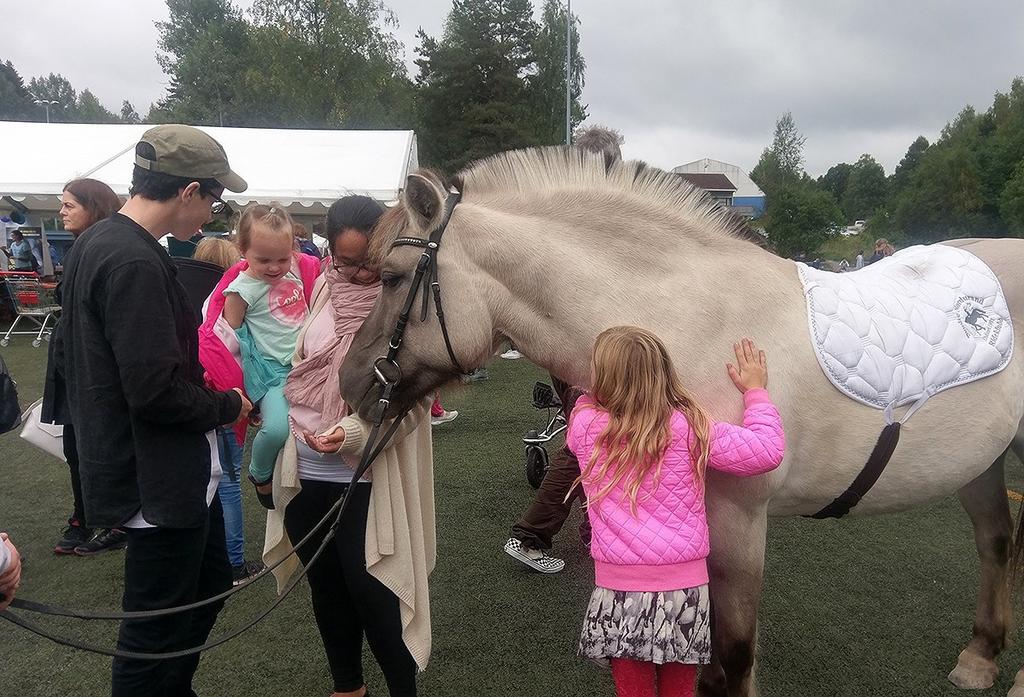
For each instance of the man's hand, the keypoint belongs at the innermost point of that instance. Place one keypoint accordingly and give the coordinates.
(11, 578)
(326, 443)
(246, 406)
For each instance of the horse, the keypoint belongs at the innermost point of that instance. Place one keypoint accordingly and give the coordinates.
(548, 247)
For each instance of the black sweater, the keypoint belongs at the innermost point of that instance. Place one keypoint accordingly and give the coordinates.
(129, 343)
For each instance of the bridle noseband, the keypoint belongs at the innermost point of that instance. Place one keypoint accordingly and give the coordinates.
(426, 276)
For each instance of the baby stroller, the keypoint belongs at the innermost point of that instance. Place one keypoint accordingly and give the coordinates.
(537, 460)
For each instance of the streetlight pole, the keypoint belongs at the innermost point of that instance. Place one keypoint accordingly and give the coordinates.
(568, 72)
(46, 103)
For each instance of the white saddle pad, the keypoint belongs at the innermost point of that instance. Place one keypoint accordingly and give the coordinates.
(911, 325)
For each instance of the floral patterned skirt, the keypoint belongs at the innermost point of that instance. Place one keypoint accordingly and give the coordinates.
(659, 627)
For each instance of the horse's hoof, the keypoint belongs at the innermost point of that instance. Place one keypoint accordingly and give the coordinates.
(973, 672)
(1018, 685)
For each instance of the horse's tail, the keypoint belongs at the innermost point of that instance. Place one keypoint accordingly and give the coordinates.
(1017, 553)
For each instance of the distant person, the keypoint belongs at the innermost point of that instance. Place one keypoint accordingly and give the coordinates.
(21, 252)
(645, 447)
(844, 265)
(84, 203)
(859, 261)
(532, 535)
(306, 245)
(882, 249)
(224, 254)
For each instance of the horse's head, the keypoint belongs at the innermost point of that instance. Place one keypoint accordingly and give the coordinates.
(423, 359)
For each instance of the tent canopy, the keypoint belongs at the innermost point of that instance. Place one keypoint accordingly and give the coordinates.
(305, 170)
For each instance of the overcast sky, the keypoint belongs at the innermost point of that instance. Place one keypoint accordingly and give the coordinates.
(680, 79)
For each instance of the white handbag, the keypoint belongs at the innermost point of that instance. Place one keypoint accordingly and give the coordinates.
(47, 437)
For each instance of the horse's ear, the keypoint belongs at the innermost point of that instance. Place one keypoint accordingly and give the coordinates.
(424, 200)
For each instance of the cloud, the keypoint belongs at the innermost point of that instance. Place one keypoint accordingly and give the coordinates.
(679, 80)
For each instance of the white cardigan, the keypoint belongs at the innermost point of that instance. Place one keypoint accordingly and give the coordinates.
(401, 542)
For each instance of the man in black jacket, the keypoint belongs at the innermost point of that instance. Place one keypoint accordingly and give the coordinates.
(144, 418)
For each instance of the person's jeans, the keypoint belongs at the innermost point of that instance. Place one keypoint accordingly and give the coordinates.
(230, 493)
(168, 567)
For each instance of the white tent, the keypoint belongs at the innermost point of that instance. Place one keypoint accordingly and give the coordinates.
(303, 169)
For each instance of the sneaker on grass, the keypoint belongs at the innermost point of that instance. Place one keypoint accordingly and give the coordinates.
(444, 418)
(73, 535)
(246, 570)
(103, 541)
(534, 558)
(512, 355)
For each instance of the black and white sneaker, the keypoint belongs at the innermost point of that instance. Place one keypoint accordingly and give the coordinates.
(536, 559)
(244, 571)
(74, 535)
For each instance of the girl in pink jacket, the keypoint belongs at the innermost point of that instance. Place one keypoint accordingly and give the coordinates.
(643, 445)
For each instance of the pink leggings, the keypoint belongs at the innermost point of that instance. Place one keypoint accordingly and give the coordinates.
(645, 679)
(436, 409)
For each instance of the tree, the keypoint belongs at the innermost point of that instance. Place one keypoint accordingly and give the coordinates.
(89, 110)
(1011, 202)
(782, 162)
(128, 113)
(205, 51)
(547, 86)
(15, 102)
(908, 165)
(56, 88)
(944, 198)
(473, 95)
(835, 180)
(801, 218)
(866, 189)
(333, 63)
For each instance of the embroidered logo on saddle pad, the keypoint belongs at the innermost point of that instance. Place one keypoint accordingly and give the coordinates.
(911, 325)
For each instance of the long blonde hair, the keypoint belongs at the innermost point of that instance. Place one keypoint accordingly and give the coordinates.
(637, 385)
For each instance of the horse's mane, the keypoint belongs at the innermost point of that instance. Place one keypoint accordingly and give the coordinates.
(542, 170)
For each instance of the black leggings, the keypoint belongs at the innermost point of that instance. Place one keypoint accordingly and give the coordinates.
(347, 601)
(71, 455)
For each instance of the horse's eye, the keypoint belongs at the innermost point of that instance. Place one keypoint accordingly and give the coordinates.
(390, 280)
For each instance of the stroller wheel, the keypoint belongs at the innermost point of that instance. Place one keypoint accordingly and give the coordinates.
(536, 465)
(35, 343)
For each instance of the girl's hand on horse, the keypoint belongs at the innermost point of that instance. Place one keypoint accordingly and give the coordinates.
(329, 442)
(751, 369)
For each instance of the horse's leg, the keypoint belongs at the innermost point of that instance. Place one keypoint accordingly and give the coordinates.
(1017, 690)
(736, 568)
(986, 503)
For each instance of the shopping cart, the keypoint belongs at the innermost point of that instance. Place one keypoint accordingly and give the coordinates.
(33, 301)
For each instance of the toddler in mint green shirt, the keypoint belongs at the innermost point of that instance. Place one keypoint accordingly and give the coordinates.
(266, 306)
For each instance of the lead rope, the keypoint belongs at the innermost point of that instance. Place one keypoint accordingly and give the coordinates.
(370, 453)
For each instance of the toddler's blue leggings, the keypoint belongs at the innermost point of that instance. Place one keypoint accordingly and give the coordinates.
(272, 434)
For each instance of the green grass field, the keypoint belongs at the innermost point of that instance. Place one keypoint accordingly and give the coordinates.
(870, 607)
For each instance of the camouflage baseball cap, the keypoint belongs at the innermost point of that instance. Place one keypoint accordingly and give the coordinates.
(184, 151)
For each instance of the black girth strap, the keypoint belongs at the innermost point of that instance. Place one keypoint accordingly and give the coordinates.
(879, 458)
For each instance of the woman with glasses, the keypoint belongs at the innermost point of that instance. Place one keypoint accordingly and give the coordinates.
(385, 545)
